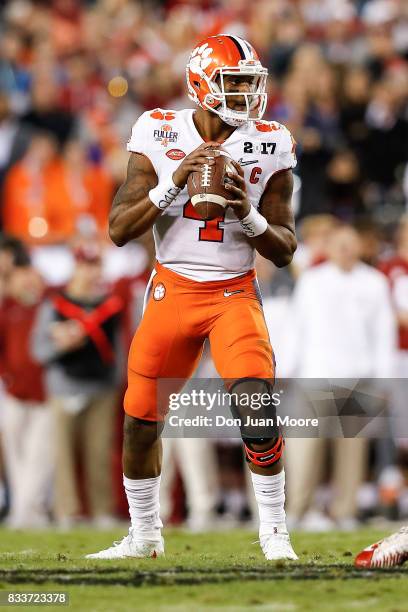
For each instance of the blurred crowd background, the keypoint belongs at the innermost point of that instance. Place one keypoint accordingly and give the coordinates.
(74, 76)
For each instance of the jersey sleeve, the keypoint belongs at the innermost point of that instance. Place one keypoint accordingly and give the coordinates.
(286, 154)
(138, 140)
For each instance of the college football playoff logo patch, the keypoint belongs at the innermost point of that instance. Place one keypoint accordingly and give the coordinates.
(159, 292)
(175, 154)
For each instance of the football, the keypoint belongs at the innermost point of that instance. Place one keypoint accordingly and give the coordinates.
(206, 187)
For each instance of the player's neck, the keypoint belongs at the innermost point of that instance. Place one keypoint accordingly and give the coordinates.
(210, 126)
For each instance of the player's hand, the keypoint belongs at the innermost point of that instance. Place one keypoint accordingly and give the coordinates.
(239, 198)
(193, 162)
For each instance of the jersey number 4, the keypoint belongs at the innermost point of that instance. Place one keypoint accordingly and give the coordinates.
(211, 231)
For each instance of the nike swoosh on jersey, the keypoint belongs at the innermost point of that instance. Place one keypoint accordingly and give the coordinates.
(228, 293)
(247, 162)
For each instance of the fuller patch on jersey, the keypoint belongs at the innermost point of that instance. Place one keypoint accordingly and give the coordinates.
(165, 135)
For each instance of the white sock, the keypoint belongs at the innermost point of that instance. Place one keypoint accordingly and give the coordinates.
(270, 496)
(144, 506)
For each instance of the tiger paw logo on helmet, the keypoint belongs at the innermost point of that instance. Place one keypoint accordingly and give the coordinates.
(199, 59)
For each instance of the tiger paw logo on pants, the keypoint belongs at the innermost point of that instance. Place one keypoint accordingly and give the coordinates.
(159, 292)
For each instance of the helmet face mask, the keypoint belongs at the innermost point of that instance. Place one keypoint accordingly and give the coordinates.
(207, 86)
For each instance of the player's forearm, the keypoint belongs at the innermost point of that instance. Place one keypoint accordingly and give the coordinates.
(129, 220)
(277, 244)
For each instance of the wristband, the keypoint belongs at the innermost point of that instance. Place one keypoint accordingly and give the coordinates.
(164, 194)
(254, 223)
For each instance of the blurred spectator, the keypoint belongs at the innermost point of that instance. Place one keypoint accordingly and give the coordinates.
(26, 418)
(13, 139)
(77, 338)
(343, 332)
(79, 194)
(45, 114)
(396, 269)
(387, 141)
(12, 253)
(49, 200)
(356, 95)
(343, 187)
(314, 234)
(25, 193)
(14, 75)
(371, 241)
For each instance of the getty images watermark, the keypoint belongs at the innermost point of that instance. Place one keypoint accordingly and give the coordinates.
(210, 401)
(316, 408)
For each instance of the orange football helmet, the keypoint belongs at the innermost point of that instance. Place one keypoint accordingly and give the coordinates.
(219, 56)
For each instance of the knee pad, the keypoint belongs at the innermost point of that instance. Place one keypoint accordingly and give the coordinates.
(252, 403)
(266, 457)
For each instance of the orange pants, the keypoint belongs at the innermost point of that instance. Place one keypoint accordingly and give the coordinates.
(179, 316)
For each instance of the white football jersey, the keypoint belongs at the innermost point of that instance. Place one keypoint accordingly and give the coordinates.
(216, 249)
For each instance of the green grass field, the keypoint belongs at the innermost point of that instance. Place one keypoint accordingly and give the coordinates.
(215, 571)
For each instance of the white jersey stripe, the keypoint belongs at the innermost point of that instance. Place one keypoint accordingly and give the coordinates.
(247, 46)
(241, 45)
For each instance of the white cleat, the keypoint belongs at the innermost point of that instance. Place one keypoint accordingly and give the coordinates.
(388, 552)
(276, 545)
(132, 546)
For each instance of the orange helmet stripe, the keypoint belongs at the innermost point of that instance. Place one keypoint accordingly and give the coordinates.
(227, 48)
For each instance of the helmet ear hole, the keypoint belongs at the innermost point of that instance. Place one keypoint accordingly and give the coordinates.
(197, 84)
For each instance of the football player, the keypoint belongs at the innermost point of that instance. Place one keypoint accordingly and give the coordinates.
(388, 552)
(204, 285)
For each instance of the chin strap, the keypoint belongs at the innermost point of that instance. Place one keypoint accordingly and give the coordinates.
(267, 457)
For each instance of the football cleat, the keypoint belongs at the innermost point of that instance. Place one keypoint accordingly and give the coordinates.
(132, 545)
(388, 552)
(276, 545)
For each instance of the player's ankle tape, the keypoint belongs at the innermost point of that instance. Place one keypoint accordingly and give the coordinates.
(164, 193)
(267, 457)
(254, 224)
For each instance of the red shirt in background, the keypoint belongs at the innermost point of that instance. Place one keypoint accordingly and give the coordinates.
(21, 375)
(394, 268)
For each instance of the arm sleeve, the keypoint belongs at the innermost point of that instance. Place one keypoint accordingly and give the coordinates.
(286, 154)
